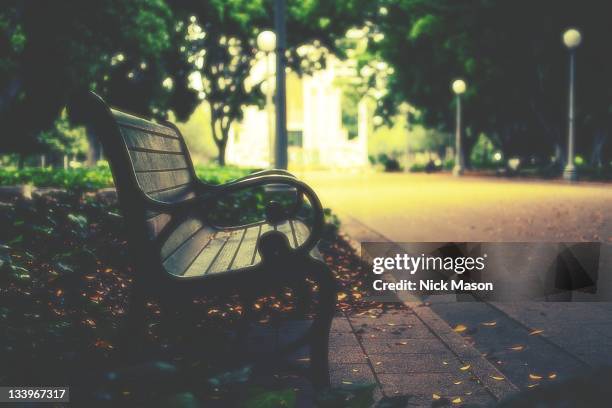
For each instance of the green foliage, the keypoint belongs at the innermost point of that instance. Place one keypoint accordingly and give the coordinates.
(516, 76)
(87, 179)
(55, 48)
(63, 138)
(78, 179)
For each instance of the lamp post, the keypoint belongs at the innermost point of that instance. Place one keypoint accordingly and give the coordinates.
(459, 86)
(266, 42)
(281, 97)
(572, 39)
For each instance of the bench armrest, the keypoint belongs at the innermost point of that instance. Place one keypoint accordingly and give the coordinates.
(211, 196)
(257, 180)
(269, 172)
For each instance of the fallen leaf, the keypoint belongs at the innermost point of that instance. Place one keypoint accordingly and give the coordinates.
(342, 296)
(445, 362)
(401, 343)
(347, 382)
(457, 400)
(497, 378)
(536, 332)
(533, 385)
(460, 328)
(457, 382)
(517, 348)
(436, 396)
(552, 376)
(493, 323)
(535, 377)
(465, 367)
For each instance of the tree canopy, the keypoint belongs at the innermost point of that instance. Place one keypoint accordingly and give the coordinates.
(515, 64)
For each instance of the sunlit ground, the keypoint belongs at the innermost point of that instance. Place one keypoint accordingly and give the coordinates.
(439, 207)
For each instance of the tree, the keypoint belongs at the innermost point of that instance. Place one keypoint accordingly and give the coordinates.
(516, 72)
(221, 46)
(222, 59)
(52, 49)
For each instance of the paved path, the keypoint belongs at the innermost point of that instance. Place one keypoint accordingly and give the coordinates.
(527, 344)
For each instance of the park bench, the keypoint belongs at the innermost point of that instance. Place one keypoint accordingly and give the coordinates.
(180, 253)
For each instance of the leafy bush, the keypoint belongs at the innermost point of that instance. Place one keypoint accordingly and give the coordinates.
(78, 179)
(93, 178)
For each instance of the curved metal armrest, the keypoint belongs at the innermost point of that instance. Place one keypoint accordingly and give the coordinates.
(262, 180)
(269, 172)
(213, 193)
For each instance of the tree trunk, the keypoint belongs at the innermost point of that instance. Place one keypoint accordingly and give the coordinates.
(220, 140)
(94, 152)
(221, 157)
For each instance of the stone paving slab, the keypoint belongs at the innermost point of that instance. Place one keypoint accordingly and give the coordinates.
(404, 356)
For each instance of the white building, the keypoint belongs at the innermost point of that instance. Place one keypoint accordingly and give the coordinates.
(317, 136)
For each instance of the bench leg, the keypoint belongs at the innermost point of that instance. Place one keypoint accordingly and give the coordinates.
(319, 332)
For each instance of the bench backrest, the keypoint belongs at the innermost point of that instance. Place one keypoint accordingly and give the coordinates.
(147, 159)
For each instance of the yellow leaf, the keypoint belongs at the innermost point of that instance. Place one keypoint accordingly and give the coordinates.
(347, 382)
(457, 400)
(457, 382)
(552, 376)
(390, 324)
(493, 323)
(355, 370)
(460, 328)
(533, 385)
(465, 367)
(517, 348)
(401, 343)
(341, 296)
(497, 378)
(535, 377)
(445, 362)
(536, 332)
(378, 363)
(436, 396)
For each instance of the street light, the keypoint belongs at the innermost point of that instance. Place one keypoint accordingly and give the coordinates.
(572, 39)
(266, 42)
(459, 86)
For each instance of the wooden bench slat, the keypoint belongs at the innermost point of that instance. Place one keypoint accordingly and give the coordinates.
(228, 253)
(179, 236)
(246, 251)
(207, 255)
(157, 161)
(182, 258)
(136, 139)
(162, 181)
(300, 230)
(174, 194)
(264, 228)
(142, 124)
(285, 228)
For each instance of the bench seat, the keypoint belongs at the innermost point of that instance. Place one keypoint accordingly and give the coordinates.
(194, 249)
